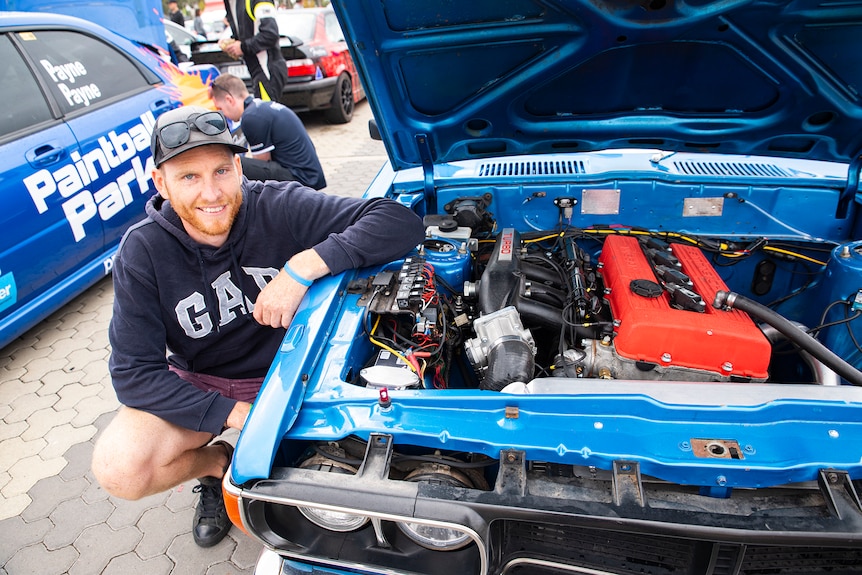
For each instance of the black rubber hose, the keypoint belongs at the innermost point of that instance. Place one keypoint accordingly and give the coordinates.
(791, 332)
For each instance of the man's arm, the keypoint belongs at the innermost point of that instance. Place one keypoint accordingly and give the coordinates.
(277, 302)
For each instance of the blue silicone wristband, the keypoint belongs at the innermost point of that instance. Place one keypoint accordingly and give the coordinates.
(298, 278)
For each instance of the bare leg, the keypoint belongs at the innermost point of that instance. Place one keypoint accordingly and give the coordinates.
(139, 454)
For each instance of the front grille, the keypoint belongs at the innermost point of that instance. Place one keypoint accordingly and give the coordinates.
(650, 554)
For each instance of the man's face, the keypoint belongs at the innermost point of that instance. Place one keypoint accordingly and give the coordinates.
(203, 186)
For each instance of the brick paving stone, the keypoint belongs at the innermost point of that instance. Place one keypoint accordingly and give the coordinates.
(80, 358)
(94, 492)
(71, 319)
(95, 373)
(47, 338)
(71, 517)
(182, 497)
(63, 347)
(38, 368)
(131, 564)
(160, 527)
(62, 437)
(99, 544)
(15, 449)
(129, 512)
(15, 534)
(23, 355)
(228, 568)
(13, 389)
(26, 472)
(92, 407)
(79, 457)
(14, 505)
(193, 560)
(56, 380)
(90, 328)
(37, 560)
(48, 493)
(10, 430)
(247, 550)
(25, 405)
(73, 393)
(44, 420)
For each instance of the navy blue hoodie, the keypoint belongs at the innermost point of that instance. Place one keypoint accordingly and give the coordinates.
(196, 300)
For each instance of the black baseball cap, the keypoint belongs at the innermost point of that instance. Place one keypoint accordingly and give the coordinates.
(188, 127)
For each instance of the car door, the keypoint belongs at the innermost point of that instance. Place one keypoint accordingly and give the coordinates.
(111, 107)
(37, 246)
(74, 154)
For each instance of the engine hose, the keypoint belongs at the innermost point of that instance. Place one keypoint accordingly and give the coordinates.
(790, 330)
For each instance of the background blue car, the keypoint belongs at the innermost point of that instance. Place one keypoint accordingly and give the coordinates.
(75, 127)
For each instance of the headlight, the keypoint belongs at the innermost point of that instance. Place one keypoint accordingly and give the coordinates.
(332, 520)
(434, 537)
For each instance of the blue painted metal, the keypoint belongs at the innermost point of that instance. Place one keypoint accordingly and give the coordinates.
(138, 20)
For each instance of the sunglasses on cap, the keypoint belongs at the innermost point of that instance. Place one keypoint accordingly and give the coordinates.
(176, 134)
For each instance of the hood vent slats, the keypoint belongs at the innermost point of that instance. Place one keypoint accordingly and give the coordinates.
(744, 169)
(532, 168)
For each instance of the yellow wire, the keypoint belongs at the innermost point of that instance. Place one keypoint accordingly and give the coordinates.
(389, 349)
(794, 254)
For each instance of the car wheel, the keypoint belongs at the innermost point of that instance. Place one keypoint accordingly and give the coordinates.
(341, 111)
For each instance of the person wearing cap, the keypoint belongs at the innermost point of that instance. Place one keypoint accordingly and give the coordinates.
(277, 140)
(204, 289)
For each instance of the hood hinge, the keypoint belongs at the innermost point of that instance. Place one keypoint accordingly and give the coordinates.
(849, 192)
(428, 171)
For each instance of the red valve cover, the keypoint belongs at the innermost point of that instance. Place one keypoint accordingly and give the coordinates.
(650, 330)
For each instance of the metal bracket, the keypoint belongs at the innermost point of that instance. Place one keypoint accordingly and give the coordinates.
(378, 453)
(839, 493)
(627, 484)
(512, 479)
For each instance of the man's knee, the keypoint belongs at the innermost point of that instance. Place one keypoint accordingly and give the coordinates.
(118, 468)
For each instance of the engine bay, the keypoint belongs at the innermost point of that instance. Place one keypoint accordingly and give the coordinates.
(487, 308)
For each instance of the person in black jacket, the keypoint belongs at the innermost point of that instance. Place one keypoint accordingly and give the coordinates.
(204, 289)
(256, 40)
(175, 14)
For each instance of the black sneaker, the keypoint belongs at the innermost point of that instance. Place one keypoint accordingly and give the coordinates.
(211, 522)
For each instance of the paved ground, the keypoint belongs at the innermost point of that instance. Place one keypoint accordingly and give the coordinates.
(55, 396)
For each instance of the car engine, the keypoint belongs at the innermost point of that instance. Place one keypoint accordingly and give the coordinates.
(495, 311)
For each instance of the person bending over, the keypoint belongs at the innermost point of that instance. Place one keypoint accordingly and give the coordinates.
(280, 146)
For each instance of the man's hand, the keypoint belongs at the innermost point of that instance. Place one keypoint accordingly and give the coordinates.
(277, 302)
(237, 416)
(231, 47)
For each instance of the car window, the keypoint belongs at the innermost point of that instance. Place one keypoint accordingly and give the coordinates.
(80, 70)
(333, 28)
(296, 24)
(25, 105)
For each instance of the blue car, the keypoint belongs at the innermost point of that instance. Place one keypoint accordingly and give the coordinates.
(630, 342)
(79, 105)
